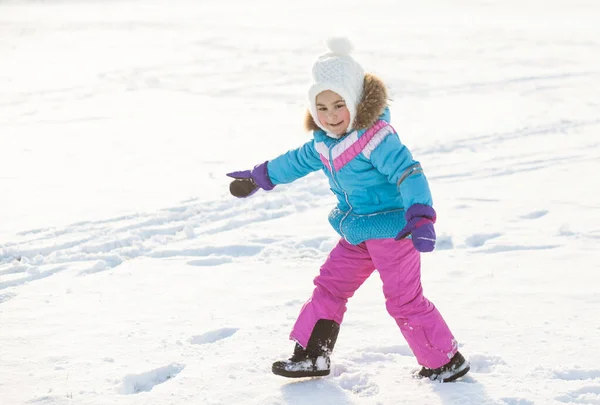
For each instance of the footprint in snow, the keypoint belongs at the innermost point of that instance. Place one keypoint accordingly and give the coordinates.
(144, 382)
(585, 395)
(50, 400)
(535, 214)
(444, 242)
(208, 251)
(358, 383)
(514, 248)
(479, 239)
(516, 401)
(293, 303)
(576, 374)
(210, 261)
(213, 336)
(101, 265)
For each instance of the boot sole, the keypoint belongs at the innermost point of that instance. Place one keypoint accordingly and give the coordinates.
(457, 375)
(299, 374)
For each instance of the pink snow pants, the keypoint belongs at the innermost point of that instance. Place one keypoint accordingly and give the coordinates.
(399, 266)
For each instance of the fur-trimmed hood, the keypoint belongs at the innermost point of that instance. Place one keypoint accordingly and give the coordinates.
(373, 102)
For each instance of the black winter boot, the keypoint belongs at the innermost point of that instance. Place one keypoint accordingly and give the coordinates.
(456, 368)
(314, 360)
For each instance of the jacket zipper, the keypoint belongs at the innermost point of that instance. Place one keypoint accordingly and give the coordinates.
(341, 189)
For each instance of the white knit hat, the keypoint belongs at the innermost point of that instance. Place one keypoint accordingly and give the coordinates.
(337, 71)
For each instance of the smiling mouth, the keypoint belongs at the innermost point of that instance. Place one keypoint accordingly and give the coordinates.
(338, 124)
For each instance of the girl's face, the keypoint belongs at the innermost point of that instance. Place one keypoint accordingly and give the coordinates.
(332, 112)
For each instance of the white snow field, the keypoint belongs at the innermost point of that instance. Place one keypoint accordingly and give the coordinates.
(129, 275)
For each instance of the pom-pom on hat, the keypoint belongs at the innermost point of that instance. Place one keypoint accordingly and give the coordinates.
(337, 71)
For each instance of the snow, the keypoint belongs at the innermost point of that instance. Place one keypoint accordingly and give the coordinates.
(129, 275)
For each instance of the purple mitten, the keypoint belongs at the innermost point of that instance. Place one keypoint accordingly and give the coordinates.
(247, 182)
(419, 222)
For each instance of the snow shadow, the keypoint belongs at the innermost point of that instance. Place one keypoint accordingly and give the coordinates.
(467, 387)
(33, 274)
(314, 391)
(6, 296)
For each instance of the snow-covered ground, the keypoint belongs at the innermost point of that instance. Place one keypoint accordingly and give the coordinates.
(129, 275)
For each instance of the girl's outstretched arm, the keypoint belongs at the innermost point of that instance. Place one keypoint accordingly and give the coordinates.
(283, 169)
(294, 164)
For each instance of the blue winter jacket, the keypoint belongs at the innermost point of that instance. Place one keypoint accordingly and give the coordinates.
(372, 174)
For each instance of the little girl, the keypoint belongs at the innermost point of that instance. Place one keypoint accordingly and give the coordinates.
(384, 216)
